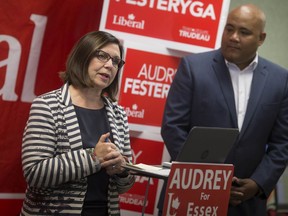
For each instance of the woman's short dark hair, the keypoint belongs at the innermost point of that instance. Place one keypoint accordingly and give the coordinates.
(80, 56)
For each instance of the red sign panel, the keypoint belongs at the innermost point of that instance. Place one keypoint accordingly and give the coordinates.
(35, 39)
(134, 199)
(188, 22)
(198, 189)
(145, 84)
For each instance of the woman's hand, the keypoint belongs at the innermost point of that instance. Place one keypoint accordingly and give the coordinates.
(103, 147)
(113, 163)
(109, 155)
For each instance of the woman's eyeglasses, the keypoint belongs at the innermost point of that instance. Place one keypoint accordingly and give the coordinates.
(105, 57)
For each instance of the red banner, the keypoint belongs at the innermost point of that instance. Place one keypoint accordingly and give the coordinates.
(35, 39)
(198, 189)
(134, 199)
(177, 22)
(145, 84)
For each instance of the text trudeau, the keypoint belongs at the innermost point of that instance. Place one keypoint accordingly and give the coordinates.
(151, 81)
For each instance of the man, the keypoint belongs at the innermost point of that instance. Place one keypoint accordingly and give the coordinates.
(234, 87)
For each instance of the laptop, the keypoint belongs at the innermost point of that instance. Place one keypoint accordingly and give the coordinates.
(208, 145)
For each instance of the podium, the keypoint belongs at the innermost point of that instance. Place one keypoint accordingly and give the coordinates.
(193, 188)
(198, 189)
(149, 171)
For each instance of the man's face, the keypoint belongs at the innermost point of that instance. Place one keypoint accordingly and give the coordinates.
(241, 38)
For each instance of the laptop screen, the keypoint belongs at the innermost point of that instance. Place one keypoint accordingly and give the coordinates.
(208, 144)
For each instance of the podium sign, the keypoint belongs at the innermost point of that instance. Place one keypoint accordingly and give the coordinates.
(198, 189)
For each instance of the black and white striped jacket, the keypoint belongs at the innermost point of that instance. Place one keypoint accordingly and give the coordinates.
(55, 165)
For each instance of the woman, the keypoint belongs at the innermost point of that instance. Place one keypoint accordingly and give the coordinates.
(76, 138)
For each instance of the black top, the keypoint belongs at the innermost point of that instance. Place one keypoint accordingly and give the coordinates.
(94, 123)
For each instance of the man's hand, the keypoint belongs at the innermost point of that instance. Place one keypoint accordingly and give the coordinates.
(242, 190)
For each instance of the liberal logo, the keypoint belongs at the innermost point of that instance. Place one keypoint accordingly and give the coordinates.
(173, 205)
(134, 112)
(128, 22)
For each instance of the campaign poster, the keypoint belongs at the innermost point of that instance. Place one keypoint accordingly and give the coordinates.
(35, 39)
(149, 152)
(145, 84)
(198, 189)
(179, 24)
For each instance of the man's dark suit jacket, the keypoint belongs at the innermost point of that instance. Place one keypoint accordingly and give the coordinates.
(202, 95)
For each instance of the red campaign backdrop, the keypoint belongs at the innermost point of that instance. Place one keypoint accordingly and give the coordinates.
(187, 22)
(145, 85)
(133, 200)
(35, 39)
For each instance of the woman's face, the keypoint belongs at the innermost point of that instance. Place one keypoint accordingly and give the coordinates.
(101, 72)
